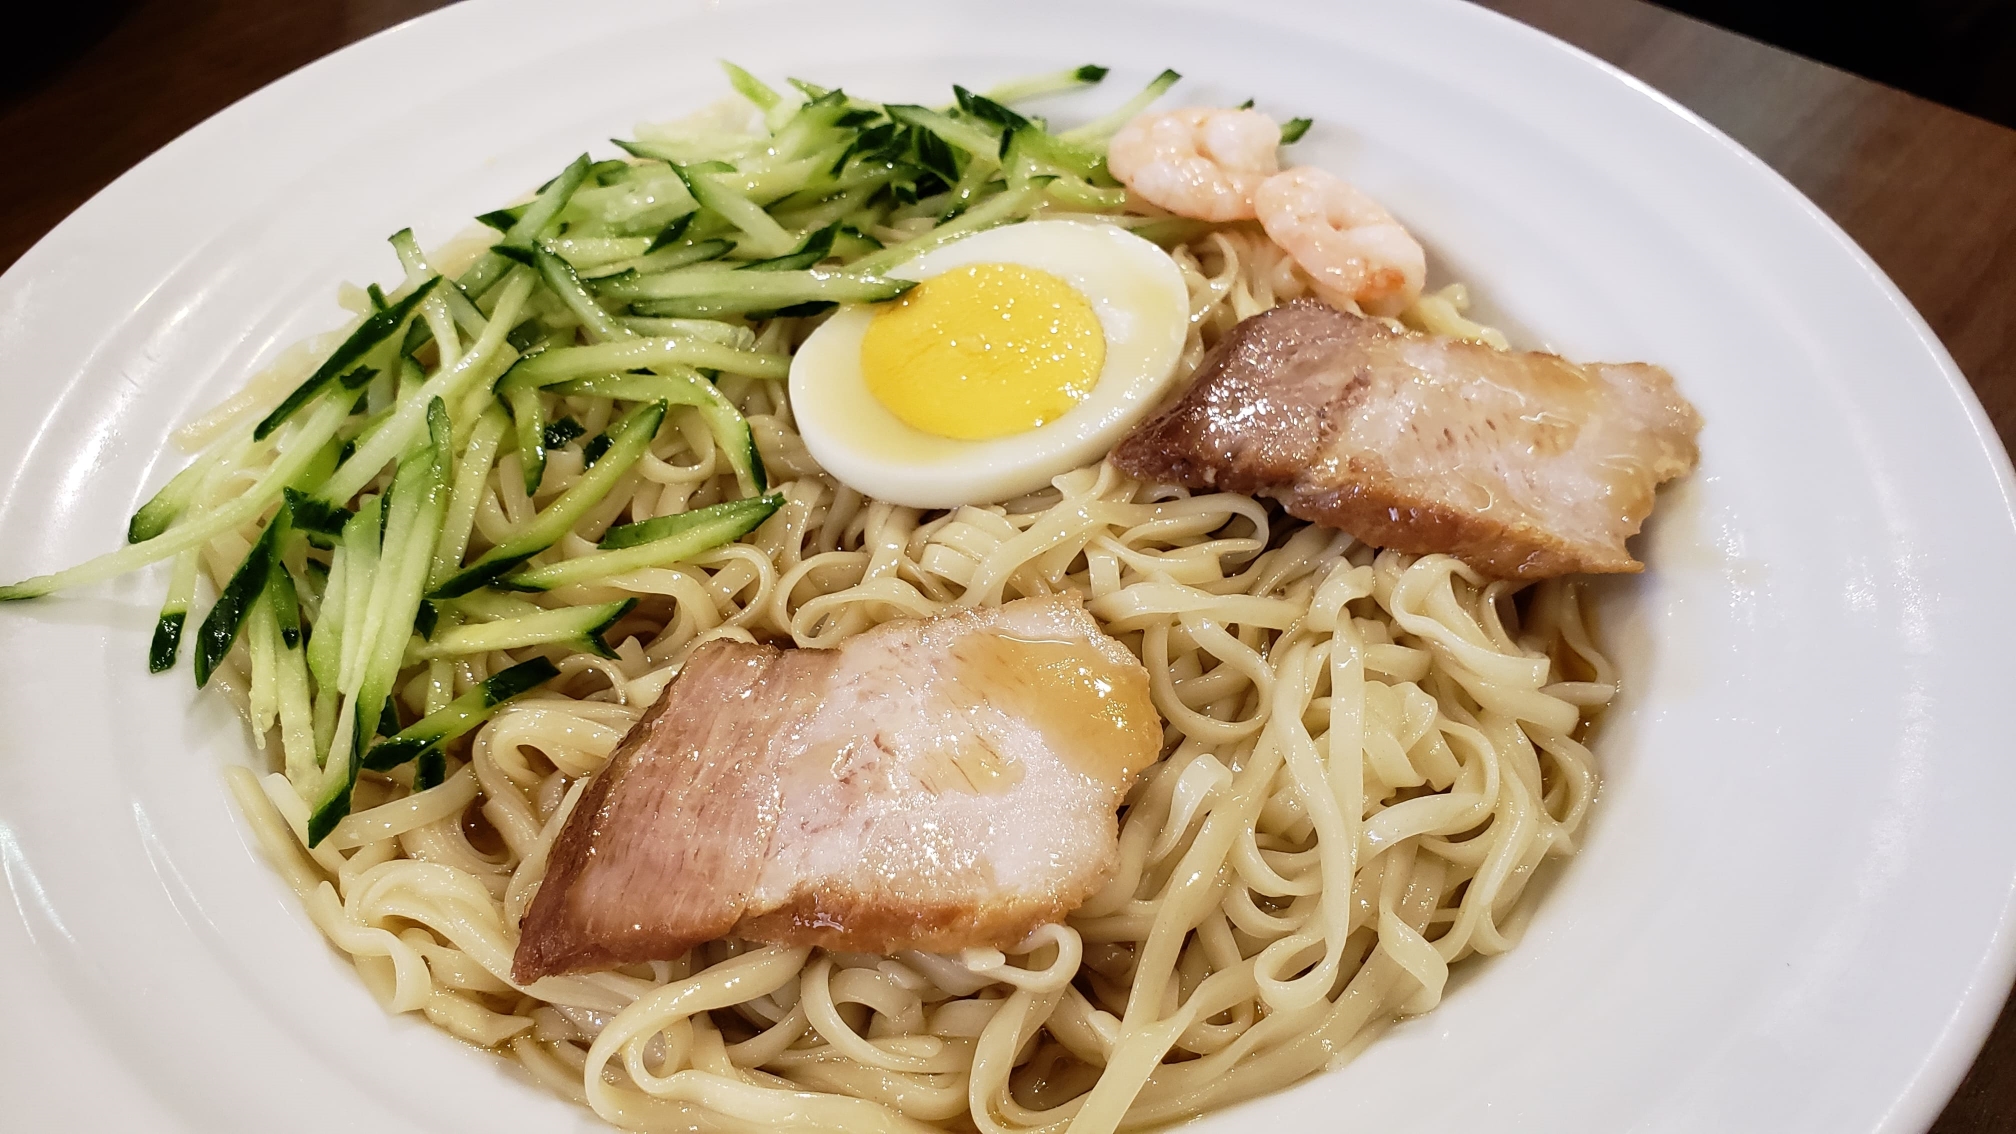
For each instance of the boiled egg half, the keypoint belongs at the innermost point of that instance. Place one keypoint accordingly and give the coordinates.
(1023, 352)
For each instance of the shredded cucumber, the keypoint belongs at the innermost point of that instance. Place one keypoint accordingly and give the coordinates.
(1106, 125)
(174, 612)
(372, 334)
(683, 386)
(564, 363)
(376, 561)
(581, 627)
(654, 543)
(628, 439)
(460, 715)
(1057, 82)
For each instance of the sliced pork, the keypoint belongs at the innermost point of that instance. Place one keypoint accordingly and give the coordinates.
(930, 784)
(1524, 465)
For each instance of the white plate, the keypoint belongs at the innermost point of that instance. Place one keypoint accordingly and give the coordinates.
(1792, 913)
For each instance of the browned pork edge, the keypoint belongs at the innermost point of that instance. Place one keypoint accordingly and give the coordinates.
(1265, 408)
(716, 761)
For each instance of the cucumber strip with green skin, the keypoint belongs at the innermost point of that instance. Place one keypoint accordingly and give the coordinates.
(503, 219)
(652, 531)
(870, 172)
(851, 243)
(563, 363)
(560, 279)
(435, 324)
(1293, 129)
(814, 248)
(561, 432)
(411, 516)
(984, 109)
(713, 330)
(1056, 82)
(655, 543)
(1009, 205)
(586, 253)
(642, 206)
(937, 205)
(873, 143)
(975, 183)
(317, 472)
(578, 626)
(1105, 126)
(1078, 194)
(426, 618)
(727, 307)
(313, 514)
(220, 627)
(832, 211)
(726, 290)
(1044, 152)
(431, 770)
(361, 546)
(174, 612)
(262, 645)
(764, 184)
(286, 603)
(472, 474)
(813, 128)
(979, 142)
(940, 158)
(372, 333)
(419, 500)
(460, 715)
(629, 437)
(325, 653)
(528, 421)
(609, 171)
(683, 386)
(751, 87)
(197, 530)
(489, 606)
(764, 234)
(671, 234)
(382, 386)
(661, 260)
(457, 304)
(406, 423)
(165, 505)
(491, 268)
(297, 720)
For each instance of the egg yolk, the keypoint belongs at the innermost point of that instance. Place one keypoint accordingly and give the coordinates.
(984, 350)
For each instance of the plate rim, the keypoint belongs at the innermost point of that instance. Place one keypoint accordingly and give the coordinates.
(1942, 1068)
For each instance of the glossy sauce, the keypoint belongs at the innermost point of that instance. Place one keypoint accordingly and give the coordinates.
(969, 767)
(1095, 714)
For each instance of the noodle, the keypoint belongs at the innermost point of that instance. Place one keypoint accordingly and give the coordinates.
(1368, 756)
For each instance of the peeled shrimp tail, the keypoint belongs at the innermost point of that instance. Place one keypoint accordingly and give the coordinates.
(1352, 249)
(1197, 162)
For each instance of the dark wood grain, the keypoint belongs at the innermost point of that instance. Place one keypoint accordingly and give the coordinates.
(1930, 192)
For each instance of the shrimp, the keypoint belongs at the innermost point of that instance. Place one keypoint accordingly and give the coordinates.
(1199, 162)
(1353, 250)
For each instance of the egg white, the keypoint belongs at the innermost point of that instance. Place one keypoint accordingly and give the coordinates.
(1135, 290)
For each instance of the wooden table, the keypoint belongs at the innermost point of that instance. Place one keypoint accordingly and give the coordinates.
(1930, 192)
